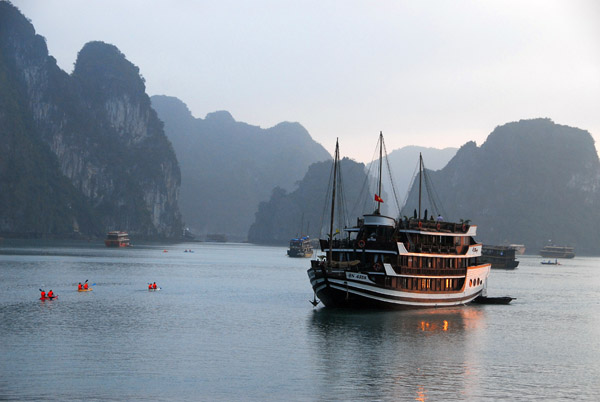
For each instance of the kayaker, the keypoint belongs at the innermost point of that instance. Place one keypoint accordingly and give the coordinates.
(149, 286)
(43, 295)
(154, 286)
(79, 287)
(50, 294)
(85, 286)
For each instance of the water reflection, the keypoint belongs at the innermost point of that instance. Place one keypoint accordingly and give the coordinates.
(409, 355)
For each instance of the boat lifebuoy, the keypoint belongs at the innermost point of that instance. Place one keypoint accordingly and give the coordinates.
(439, 226)
(377, 266)
(361, 243)
(420, 224)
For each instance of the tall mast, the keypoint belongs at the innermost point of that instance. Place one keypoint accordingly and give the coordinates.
(420, 181)
(336, 159)
(380, 163)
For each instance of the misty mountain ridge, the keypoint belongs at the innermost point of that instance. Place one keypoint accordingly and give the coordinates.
(306, 210)
(530, 182)
(229, 167)
(82, 153)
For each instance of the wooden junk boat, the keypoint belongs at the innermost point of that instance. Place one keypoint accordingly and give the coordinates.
(300, 247)
(502, 257)
(396, 264)
(552, 251)
(116, 238)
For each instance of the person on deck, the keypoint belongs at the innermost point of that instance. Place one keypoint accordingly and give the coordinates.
(85, 286)
(43, 295)
(50, 294)
(79, 287)
(154, 286)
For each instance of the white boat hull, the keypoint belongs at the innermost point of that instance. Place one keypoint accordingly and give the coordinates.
(356, 290)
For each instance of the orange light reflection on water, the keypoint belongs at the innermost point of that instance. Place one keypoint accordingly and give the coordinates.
(439, 321)
(421, 394)
(433, 326)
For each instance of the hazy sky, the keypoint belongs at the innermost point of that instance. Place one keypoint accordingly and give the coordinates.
(430, 73)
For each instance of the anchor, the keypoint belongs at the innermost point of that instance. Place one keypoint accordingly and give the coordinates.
(314, 301)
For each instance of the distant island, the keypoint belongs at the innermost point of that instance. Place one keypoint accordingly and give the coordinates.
(303, 211)
(531, 182)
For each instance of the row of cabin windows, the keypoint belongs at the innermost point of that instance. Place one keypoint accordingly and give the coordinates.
(435, 262)
(432, 240)
(425, 284)
(417, 262)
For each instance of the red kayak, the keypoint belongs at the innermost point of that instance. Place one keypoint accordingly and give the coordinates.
(49, 298)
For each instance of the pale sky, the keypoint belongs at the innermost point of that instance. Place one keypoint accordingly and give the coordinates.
(428, 73)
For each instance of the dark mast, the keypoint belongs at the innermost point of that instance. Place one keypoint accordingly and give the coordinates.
(377, 211)
(336, 159)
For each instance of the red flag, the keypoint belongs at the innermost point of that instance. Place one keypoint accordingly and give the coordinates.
(378, 198)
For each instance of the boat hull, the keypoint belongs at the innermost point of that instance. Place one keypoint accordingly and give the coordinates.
(345, 292)
(299, 254)
(553, 254)
(116, 243)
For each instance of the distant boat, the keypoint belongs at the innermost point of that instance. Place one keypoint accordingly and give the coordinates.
(116, 238)
(519, 248)
(216, 238)
(407, 263)
(557, 252)
(300, 247)
(550, 262)
(502, 257)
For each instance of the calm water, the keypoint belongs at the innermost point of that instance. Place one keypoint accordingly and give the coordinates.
(233, 322)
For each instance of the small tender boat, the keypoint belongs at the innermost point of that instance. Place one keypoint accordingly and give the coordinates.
(493, 300)
(550, 262)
